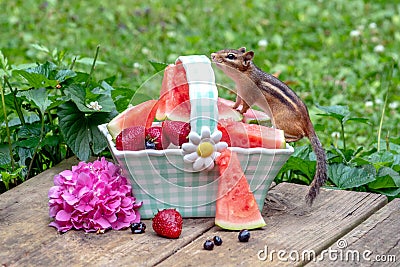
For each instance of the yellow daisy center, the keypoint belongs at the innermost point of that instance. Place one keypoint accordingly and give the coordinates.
(205, 149)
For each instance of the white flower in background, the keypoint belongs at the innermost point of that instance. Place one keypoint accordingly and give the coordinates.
(355, 33)
(372, 25)
(203, 149)
(335, 135)
(379, 48)
(263, 42)
(94, 105)
(145, 50)
(394, 105)
(369, 104)
(137, 65)
(378, 101)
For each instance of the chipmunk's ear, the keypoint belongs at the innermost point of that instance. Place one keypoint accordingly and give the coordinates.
(242, 49)
(247, 57)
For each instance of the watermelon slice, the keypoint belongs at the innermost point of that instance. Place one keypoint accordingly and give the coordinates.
(239, 134)
(174, 95)
(174, 103)
(251, 115)
(139, 115)
(236, 207)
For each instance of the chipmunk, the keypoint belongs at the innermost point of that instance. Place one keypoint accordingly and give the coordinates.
(286, 110)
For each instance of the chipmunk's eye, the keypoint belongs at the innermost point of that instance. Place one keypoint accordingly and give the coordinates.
(231, 56)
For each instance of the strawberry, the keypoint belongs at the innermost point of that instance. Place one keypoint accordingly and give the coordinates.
(176, 132)
(154, 135)
(131, 138)
(168, 223)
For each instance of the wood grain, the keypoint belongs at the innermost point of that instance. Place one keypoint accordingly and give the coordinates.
(375, 242)
(291, 226)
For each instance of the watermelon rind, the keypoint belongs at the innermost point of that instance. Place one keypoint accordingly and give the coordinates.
(236, 206)
(229, 225)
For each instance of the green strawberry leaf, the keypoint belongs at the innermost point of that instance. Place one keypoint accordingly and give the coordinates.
(38, 97)
(300, 166)
(345, 177)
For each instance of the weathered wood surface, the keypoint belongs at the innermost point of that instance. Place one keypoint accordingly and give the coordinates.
(291, 226)
(375, 242)
(26, 239)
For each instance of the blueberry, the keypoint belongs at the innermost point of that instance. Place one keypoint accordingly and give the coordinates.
(208, 245)
(138, 228)
(244, 235)
(217, 240)
(150, 145)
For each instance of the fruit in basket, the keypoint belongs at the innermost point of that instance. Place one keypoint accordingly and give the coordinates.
(174, 95)
(168, 223)
(140, 115)
(154, 136)
(236, 207)
(175, 132)
(132, 138)
(174, 103)
(251, 115)
(239, 134)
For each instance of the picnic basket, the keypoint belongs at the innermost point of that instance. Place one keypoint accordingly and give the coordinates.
(162, 179)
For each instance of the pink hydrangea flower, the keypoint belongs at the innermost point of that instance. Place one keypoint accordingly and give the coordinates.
(92, 196)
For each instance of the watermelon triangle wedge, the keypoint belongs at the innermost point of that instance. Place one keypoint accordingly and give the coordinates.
(236, 207)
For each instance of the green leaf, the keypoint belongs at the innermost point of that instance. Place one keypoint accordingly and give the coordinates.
(28, 143)
(381, 158)
(389, 172)
(338, 112)
(40, 48)
(4, 154)
(345, 177)
(390, 192)
(300, 166)
(80, 131)
(63, 75)
(362, 120)
(36, 80)
(38, 97)
(158, 66)
(79, 96)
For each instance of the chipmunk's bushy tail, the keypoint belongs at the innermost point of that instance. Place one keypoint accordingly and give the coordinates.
(321, 170)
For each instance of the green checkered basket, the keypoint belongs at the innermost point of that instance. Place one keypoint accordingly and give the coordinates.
(162, 179)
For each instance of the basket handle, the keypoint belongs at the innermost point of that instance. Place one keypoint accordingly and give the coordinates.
(203, 92)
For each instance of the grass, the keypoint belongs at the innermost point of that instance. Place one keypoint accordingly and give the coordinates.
(330, 51)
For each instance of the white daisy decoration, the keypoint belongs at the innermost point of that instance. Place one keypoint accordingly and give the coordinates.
(203, 149)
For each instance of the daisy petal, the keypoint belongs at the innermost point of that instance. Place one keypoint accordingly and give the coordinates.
(190, 158)
(216, 136)
(198, 165)
(194, 138)
(189, 147)
(221, 146)
(205, 132)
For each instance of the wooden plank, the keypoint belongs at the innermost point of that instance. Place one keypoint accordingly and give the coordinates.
(26, 239)
(292, 227)
(375, 242)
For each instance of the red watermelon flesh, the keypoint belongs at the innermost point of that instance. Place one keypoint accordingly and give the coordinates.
(139, 115)
(236, 207)
(174, 103)
(174, 92)
(239, 134)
